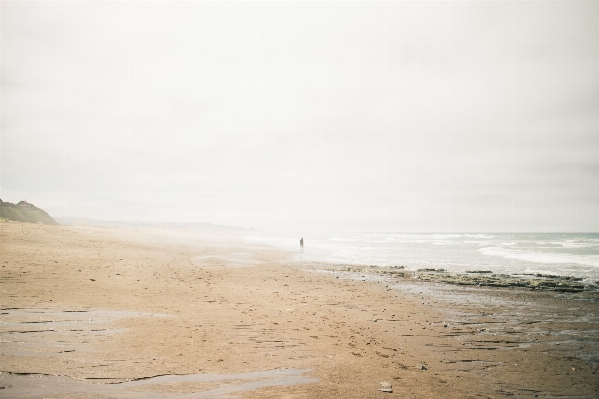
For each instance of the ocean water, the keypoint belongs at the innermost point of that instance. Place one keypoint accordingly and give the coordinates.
(558, 254)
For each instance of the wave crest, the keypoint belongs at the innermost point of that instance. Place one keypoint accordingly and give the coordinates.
(542, 257)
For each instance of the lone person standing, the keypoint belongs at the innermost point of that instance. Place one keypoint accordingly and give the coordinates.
(302, 244)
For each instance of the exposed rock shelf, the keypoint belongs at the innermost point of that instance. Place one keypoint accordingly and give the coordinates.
(483, 278)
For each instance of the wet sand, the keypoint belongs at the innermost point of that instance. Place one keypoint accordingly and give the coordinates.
(125, 313)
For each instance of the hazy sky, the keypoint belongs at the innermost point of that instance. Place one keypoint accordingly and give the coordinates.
(303, 117)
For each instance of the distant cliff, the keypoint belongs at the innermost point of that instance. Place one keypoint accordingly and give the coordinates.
(24, 212)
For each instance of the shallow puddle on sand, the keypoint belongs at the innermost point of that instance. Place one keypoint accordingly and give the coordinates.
(52, 332)
(240, 259)
(166, 386)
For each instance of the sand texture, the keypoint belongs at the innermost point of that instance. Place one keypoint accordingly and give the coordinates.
(124, 313)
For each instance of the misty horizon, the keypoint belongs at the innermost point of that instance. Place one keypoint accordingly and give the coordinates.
(304, 117)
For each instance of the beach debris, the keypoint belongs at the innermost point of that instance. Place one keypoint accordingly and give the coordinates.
(421, 367)
(385, 387)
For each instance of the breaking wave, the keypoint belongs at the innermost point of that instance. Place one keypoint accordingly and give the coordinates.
(542, 257)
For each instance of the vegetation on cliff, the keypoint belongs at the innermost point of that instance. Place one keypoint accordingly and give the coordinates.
(24, 212)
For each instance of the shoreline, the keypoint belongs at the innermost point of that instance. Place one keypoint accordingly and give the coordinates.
(226, 307)
(512, 254)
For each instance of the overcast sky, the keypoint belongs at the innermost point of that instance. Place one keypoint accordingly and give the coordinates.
(305, 117)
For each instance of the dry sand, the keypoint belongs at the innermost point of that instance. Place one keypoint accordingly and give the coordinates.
(108, 308)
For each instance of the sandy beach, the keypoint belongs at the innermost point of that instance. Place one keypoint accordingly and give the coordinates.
(103, 312)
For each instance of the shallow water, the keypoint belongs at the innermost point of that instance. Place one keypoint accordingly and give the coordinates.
(51, 332)
(240, 259)
(166, 386)
(560, 254)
